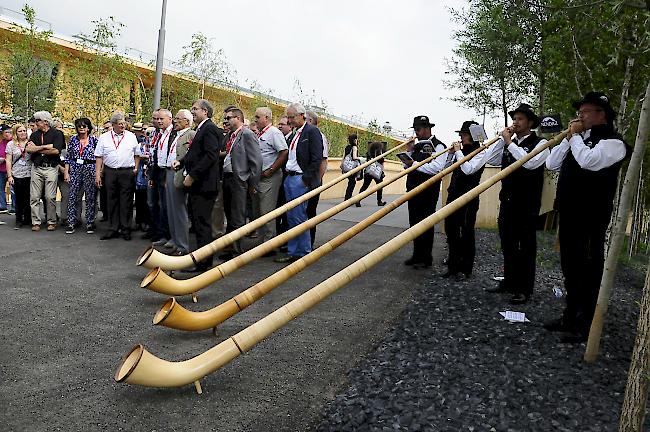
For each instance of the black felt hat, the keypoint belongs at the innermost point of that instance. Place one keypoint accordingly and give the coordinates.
(598, 99)
(465, 127)
(527, 110)
(422, 121)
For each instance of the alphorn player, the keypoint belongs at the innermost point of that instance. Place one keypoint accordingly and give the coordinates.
(459, 226)
(520, 200)
(589, 162)
(423, 204)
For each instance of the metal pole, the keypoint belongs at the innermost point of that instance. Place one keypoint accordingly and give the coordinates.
(159, 58)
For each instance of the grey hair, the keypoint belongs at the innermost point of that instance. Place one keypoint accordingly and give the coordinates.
(300, 108)
(117, 117)
(313, 116)
(44, 115)
(186, 114)
(206, 105)
(165, 112)
(266, 111)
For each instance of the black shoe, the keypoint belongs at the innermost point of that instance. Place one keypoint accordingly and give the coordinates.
(283, 249)
(501, 288)
(269, 254)
(110, 235)
(286, 259)
(90, 228)
(69, 230)
(358, 204)
(227, 256)
(126, 236)
(411, 262)
(191, 270)
(448, 274)
(573, 337)
(519, 298)
(557, 325)
(422, 265)
(381, 203)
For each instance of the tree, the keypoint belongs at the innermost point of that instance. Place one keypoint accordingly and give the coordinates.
(204, 64)
(100, 79)
(32, 81)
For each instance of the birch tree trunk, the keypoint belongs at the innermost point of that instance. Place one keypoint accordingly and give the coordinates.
(622, 107)
(636, 391)
(618, 235)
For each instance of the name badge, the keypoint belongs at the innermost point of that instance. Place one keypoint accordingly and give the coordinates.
(80, 161)
(21, 162)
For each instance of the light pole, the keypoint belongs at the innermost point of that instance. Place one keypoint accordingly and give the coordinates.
(159, 58)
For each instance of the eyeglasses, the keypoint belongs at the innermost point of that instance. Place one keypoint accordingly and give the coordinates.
(584, 111)
(227, 118)
(82, 127)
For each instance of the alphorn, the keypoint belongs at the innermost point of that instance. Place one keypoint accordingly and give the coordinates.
(152, 258)
(157, 280)
(140, 367)
(173, 315)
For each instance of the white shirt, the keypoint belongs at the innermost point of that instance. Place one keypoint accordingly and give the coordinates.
(494, 154)
(437, 164)
(326, 146)
(173, 152)
(471, 166)
(118, 151)
(201, 124)
(292, 162)
(604, 154)
(162, 145)
(272, 142)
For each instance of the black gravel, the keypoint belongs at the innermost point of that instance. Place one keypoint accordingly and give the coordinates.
(453, 364)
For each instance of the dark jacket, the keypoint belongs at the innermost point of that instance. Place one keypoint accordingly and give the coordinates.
(202, 159)
(309, 155)
(522, 190)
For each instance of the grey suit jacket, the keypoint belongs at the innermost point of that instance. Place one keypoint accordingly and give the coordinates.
(246, 158)
(182, 145)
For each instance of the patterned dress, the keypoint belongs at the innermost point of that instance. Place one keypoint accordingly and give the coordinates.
(82, 177)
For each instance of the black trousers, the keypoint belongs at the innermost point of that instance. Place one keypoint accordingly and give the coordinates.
(366, 184)
(21, 192)
(352, 182)
(312, 204)
(119, 194)
(142, 215)
(519, 246)
(420, 207)
(459, 227)
(281, 224)
(582, 243)
(201, 216)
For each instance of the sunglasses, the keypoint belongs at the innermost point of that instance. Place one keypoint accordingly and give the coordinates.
(229, 117)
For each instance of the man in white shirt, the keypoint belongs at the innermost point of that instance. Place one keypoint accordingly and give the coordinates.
(160, 162)
(118, 155)
(274, 151)
(589, 162)
(423, 204)
(520, 198)
(312, 204)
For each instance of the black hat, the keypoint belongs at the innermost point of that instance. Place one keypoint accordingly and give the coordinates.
(422, 121)
(4, 127)
(598, 99)
(527, 110)
(465, 127)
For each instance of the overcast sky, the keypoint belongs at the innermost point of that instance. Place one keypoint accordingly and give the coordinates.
(373, 59)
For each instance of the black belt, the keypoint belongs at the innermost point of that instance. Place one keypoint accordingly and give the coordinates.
(293, 173)
(86, 162)
(47, 165)
(120, 169)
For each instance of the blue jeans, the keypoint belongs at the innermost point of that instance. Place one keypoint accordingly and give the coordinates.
(3, 194)
(293, 188)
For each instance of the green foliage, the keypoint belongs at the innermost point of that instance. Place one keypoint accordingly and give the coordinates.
(201, 62)
(100, 81)
(175, 94)
(31, 84)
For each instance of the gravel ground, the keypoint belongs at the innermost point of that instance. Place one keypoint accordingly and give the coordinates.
(453, 364)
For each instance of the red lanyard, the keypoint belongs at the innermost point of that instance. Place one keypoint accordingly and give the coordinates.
(117, 144)
(232, 140)
(22, 150)
(82, 146)
(162, 140)
(264, 130)
(295, 140)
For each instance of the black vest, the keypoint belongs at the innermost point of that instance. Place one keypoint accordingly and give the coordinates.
(421, 151)
(522, 189)
(461, 183)
(589, 193)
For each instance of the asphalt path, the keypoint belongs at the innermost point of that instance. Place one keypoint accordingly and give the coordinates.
(73, 308)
